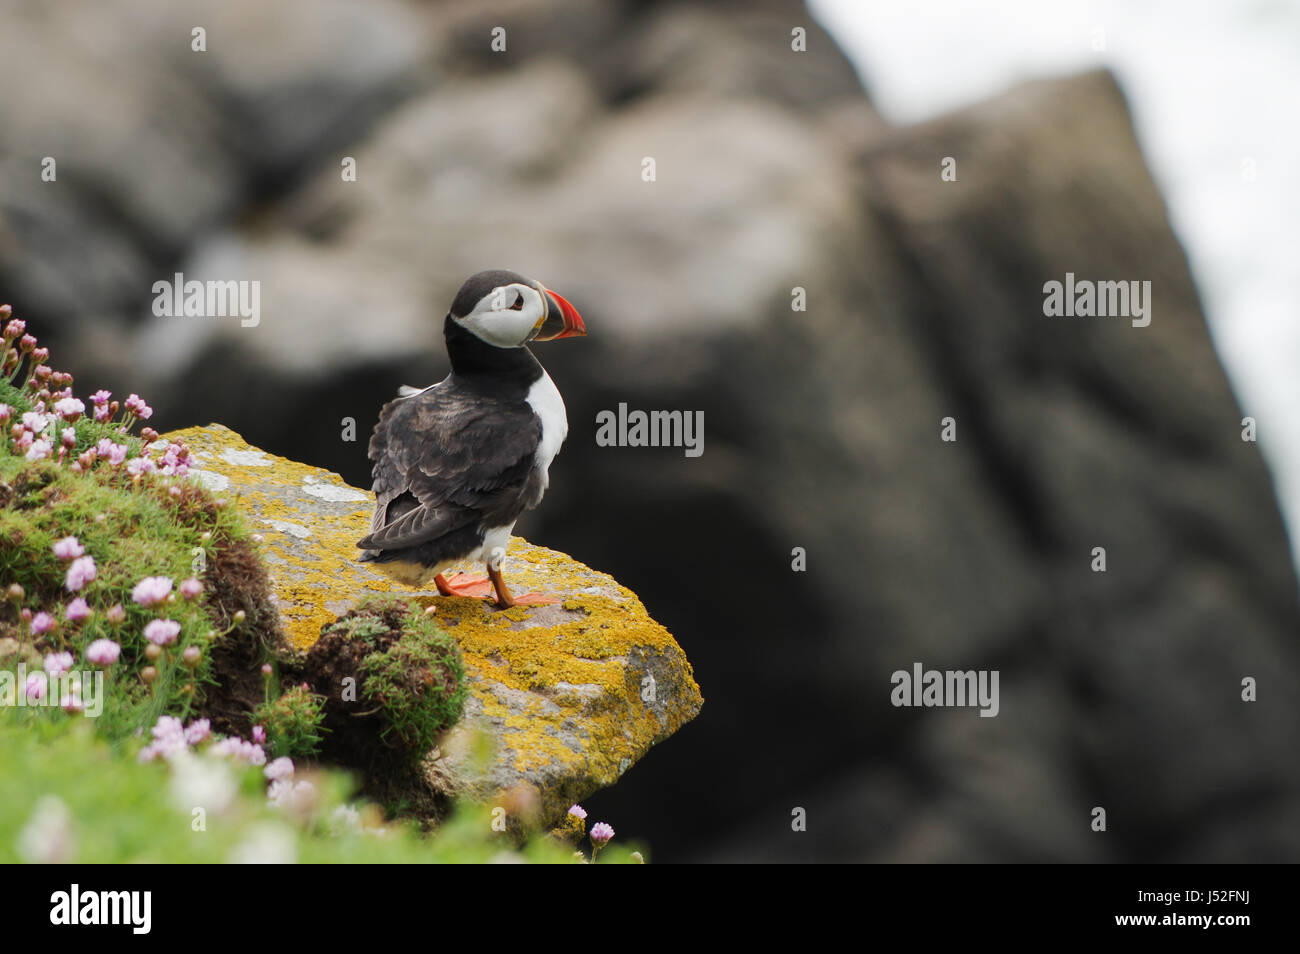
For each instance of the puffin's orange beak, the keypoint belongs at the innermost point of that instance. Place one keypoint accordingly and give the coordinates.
(562, 319)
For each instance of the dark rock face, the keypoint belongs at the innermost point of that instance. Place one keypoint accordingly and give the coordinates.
(1119, 690)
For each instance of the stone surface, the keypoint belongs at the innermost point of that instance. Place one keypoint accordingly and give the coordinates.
(564, 698)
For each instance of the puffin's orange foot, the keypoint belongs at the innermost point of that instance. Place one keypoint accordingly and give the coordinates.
(505, 599)
(462, 584)
(535, 599)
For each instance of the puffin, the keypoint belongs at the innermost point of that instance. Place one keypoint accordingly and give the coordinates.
(457, 463)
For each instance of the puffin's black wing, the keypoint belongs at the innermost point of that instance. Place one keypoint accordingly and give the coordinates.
(448, 457)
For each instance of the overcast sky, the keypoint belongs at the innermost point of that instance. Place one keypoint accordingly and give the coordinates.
(1215, 89)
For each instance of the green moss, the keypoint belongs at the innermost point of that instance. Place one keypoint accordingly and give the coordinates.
(133, 527)
(413, 672)
(294, 723)
(420, 683)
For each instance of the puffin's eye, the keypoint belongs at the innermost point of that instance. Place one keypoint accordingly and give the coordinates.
(519, 303)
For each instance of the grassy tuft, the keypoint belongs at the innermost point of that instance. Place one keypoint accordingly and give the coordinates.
(294, 723)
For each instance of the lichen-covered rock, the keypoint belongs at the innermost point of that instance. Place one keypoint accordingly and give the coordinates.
(563, 698)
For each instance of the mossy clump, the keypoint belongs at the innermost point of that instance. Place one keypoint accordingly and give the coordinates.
(294, 723)
(390, 675)
(420, 682)
(89, 510)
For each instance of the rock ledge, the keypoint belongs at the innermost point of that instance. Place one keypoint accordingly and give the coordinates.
(563, 698)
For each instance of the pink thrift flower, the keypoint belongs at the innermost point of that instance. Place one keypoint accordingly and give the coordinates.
(162, 632)
(5, 411)
(601, 834)
(71, 702)
(197, 731)
(69, 408)
(103, 652)
(42, 623)
(190, 588)
(77, 611)
(136, 405)
(100, 397)
(140, 465)
(115, 614)
(151, 590)
(168, 729)
(69, 548)
(39, 450)
(35, 421)
(69, 436)
(280, 769)
(35, 686)
(240, 749)
(259, 735)
(80, 573)
(56, 663)
(577, 811)
(168, 739)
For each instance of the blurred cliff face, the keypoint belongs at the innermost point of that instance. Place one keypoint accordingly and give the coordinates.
(746, 241)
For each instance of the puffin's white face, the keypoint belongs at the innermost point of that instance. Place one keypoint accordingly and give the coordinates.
(507, 316)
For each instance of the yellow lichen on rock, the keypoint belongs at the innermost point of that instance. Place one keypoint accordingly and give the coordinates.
(569, 695)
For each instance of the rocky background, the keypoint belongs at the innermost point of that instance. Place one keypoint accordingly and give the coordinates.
(822, 427)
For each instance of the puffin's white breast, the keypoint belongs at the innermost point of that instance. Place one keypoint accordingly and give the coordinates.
(544, 398)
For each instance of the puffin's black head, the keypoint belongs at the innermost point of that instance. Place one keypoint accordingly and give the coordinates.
(507, 310)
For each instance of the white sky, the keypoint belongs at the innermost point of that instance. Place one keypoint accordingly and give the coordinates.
(1215, 90)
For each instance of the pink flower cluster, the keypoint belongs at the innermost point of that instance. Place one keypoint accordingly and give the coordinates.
(601, 833)
(69, 548)
(298, 796)
(78, 611)
(103, 652)
(34, 435)
(171, 737)
(56, 663)
(151, 590)
(135, 405)
(162, 632)
(81, 572)
(103, 410)
(112, 452)
(241, 750)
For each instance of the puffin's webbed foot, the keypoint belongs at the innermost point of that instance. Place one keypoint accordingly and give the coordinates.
(505, 599)
(462, 584)
(487, 588)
